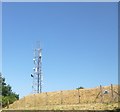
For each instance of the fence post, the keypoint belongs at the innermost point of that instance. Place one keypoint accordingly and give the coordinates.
(101, 91)
(17, 104)
(34, 101)
(24, 102)
(112, 93)
(46, 98)
(61, 97)
(78, 96)
(118, 93)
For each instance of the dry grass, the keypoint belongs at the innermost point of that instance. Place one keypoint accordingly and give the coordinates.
(69, 99)
(90, 106)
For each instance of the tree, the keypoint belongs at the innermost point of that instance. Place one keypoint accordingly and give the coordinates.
(80, 87)
(8, 96)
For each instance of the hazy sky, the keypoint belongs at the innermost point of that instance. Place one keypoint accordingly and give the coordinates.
(79, 42)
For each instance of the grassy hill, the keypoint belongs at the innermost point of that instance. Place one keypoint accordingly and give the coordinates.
(98, 98)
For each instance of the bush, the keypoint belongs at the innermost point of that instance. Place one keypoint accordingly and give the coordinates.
(80, 87)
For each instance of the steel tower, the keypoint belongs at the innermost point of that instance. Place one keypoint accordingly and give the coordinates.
(37, 74)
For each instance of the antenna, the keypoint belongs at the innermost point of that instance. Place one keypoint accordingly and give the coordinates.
(37, 74)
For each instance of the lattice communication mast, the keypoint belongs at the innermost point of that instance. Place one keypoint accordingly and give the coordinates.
(37, 74)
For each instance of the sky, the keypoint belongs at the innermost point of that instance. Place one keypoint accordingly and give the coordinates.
(60, 0)
(79, 44)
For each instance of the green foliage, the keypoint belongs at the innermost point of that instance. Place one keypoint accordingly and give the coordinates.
(80, 87)
(8, 96)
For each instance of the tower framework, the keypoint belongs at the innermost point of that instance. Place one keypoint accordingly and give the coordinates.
(37, 72)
